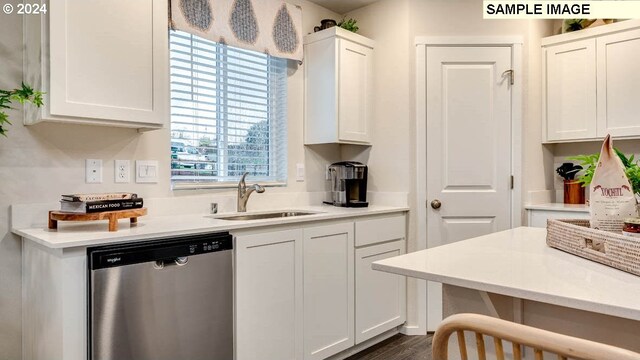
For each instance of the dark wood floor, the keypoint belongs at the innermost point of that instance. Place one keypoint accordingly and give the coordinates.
(398, 347)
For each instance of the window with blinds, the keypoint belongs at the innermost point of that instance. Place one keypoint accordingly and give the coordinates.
(228, 114)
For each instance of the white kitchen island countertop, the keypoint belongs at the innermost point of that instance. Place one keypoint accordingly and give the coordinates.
(518, 263)
(75, 234)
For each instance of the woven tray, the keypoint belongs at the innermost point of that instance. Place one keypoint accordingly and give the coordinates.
(576, 237)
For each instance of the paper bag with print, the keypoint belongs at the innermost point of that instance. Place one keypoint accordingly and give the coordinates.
(612, 198)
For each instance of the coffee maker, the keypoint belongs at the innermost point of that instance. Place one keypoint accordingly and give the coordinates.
(348, 184)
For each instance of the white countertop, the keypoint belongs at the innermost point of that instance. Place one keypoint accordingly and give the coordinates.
(94, 233)
(518, 263)
(559, 207)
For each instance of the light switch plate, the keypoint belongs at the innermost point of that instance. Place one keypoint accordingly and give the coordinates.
(146, 171)
(93, 171)
(299, 172)
(122, 171)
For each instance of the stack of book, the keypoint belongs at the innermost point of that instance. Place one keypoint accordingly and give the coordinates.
(92, 203)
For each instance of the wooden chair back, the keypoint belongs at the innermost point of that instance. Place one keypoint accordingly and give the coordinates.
(563, 346)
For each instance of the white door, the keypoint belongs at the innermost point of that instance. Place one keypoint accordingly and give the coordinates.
(468, 147)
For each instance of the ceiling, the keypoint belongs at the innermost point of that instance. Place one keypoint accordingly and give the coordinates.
(343, 6)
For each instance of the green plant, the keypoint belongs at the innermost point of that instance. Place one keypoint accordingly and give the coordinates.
(349, 24)
(22, 95)
(589, 163)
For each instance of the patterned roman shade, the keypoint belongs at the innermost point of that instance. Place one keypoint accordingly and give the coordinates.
(269, 26)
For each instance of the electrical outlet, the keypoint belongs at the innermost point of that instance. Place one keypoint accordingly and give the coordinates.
(93, 171)
(122, 171)
(299, 172)
(327, 173)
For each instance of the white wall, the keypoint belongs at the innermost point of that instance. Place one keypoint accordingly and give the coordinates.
(40, 162)
(394, 24)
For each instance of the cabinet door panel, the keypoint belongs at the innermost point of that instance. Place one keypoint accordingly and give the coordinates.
(618, 79)
(570, 88)
(269, 296)
(354, 91)
(328, 290)
(380, 296)
(109, 60)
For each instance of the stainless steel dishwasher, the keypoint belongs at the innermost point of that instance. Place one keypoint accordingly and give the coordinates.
(162, 299)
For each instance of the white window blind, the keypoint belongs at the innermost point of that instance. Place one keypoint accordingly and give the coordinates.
(228, 113)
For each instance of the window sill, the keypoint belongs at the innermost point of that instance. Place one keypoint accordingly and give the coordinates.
(222, 185)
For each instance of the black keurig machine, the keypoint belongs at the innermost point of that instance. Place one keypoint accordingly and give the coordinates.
(348, 184)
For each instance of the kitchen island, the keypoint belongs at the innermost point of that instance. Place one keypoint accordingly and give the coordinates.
(514, 275)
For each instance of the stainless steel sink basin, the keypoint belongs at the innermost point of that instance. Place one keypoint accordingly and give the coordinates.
(260, 216)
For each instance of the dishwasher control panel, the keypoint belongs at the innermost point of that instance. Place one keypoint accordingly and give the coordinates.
(166, 248)
(213, 246)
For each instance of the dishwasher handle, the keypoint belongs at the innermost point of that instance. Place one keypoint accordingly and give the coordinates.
(179, 261)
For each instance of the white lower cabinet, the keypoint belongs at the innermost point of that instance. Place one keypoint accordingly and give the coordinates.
(268, 287)
(309, 293)
(328, 258)
(380, 297)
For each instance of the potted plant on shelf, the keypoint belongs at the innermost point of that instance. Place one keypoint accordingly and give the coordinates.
(573, 189)
(589, 162)
(349, 24)
(22, 95)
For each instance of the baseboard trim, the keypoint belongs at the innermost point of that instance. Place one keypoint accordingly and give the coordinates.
(364, 345)
(412, 330)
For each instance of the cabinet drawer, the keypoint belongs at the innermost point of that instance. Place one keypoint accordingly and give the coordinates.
(380, 229)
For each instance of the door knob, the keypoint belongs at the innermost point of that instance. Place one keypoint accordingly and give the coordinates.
(436, 204)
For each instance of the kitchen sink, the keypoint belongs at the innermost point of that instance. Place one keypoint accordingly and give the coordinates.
(261, 216)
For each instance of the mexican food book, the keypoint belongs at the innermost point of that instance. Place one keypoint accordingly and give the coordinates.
(84, 207)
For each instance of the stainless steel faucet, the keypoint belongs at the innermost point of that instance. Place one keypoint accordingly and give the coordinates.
(244, 192)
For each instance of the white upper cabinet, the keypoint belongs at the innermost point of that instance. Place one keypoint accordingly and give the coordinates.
(338, 87)
(618, 79)
(102, 62)
(570, 85)
(589, 81)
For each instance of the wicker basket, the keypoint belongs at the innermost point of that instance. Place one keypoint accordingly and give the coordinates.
(576, 237)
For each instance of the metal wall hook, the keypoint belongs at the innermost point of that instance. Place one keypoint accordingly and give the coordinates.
(511, 74)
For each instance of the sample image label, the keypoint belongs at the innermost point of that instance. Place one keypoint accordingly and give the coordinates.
(561, 9)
